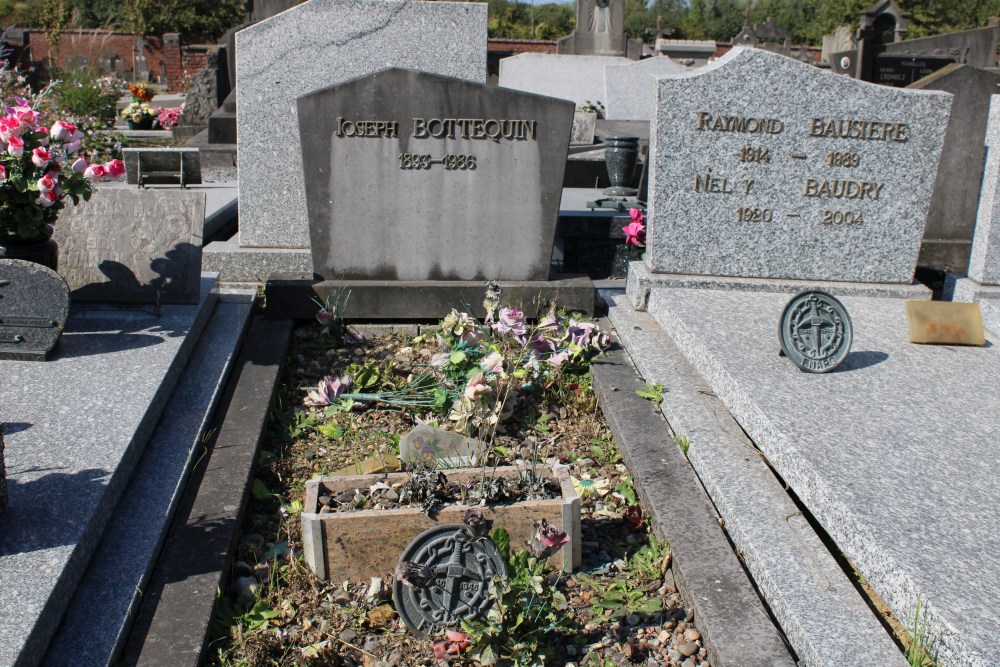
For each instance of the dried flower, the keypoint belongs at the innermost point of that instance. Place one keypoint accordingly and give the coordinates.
(476, 522)
(414, 574)
(547, 540)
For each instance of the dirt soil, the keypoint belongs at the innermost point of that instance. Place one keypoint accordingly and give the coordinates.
(624, 607)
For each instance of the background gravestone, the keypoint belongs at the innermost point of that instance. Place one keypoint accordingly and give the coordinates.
(752, 185)
(630, 90)
(576, 78)
(600, 31)
(315, 45)
(133, 246)
(34, 305)
(951, 219)
(399, 204)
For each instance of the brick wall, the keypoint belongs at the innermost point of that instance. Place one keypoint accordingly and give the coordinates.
(166, 55)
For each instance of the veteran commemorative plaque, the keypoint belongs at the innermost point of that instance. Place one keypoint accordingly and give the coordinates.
(815, 331)
(458, 570)
(34, 305)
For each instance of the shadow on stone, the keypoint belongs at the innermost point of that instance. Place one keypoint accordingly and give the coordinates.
(47, 512)
(857, 360)
(10, 428)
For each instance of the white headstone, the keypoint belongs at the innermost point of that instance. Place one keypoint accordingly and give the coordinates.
(630, 90)
(579, 79)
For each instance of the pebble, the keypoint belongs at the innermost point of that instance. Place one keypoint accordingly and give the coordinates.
(391, 495)
(246, 589)
(688, 663)
(348, 635)
(692, 635)
(252, 541)
(674, 655)
(687, 649)
(325, 500)
(632, 619)
(346, 497)
(325, 509)
(571, 649)
(681, 627)
(664, 637)
(242, 568)
(342, 597)
(371, 645)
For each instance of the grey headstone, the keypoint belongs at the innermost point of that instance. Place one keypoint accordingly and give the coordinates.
(162, 165)
(579, 79)
(984, 263)
(34, 305)
(371, 216)
(439, 448)
(951, 219)
(459, 590)
(600, 31)
(584, 125)
(133, 246)
(742, 182)
(316, 45)
(631, 89)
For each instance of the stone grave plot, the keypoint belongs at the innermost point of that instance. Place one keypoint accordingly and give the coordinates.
(308, 48)
(460, 180)
(579, 79)
(630, 90)
(133, 246)
(982, 283)
(747, 180)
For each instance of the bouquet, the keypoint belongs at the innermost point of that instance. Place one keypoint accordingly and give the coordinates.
(40, 167)
(136, 111)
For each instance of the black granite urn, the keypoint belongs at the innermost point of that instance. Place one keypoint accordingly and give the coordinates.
(621, 155)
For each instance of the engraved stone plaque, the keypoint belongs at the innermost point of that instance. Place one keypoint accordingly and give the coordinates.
(945, 323)
(139, 246)
(765, 167)
(34, 305)
(462, 566)
(415, 176)
(815, 331)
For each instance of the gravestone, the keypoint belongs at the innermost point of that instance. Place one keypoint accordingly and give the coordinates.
(764, 186)
(584, 126)
(133, 246)
(600, 31)
(308, 48)
(456, 180)
(34, 305)
(439, 448)
(951, 219)
(630, 90)
(150, 166)
(579, 79)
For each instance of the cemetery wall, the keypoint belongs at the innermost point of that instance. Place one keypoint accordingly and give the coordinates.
(171, 55)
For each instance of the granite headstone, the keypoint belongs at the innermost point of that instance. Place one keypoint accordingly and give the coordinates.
(749, 180)
(127, 245)
(579, 79)
(415, 176)
(34, 305)
(584, 126)
(600, 31)
(630, 90)
(310, 47)
(984, 262)
(951, 219)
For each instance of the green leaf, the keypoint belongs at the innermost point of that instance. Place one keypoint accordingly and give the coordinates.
(331, 431)
(456, 357)
(487, 656)
(260, 491)
(276, 550)
(501, 538)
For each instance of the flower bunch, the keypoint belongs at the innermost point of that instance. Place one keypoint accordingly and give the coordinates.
(140, 92)
(39, 168)
(169, 117)
(635, 231)
(136, 111)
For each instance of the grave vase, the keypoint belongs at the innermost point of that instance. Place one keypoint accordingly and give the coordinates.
(621, 156)
(40, 250)
(144, 123)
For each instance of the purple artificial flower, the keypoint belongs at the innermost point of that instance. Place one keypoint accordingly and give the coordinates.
(328, 390)
(511, 320)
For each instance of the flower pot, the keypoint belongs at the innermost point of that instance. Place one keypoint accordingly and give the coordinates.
(40, 250)
(621, 155)
(359, 545)
(144, 123)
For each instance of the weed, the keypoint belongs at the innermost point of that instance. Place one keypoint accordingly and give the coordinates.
(651, 392)
(918, 653)
(683, 442)
(621, 599)
(648, 562)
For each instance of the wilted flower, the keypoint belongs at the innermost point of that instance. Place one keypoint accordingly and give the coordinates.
(476, 386)
(633, 517)
(461, 412)
(460, 325)
(476, 522)
(511, 321)
(328, 390)
(414, 574)
(492, 363)
(547, 540)
(492, 300)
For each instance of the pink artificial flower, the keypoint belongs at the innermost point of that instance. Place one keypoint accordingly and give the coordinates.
(476, 386)
(328, 390)
(46, 199)
(47, 183)
(492, 363)
(80, 165)
(3, 173)
(547, 540)
(95, 172)
(511, 320)
(15, 146)
(72, 147)
(40, 157)
(26, 118)
(116, 169)
(61, 130)
(635, 231)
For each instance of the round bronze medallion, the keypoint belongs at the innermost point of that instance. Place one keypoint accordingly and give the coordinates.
(462, 566)
(815, 331)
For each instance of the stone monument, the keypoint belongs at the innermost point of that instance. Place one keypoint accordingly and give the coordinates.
(600, 31)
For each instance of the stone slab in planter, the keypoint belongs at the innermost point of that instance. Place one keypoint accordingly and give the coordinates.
(356, 546)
